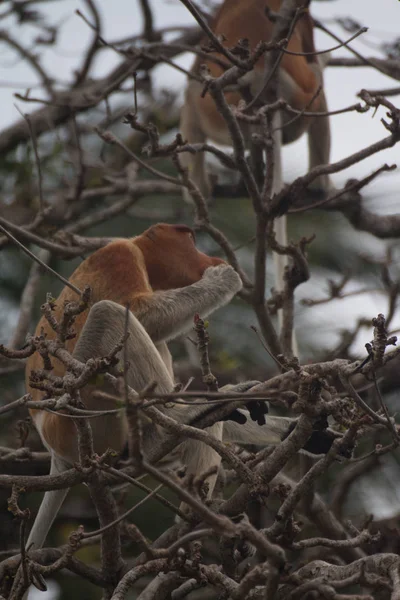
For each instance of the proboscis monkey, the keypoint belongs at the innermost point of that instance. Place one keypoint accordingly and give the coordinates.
(299, 80)
(165, 280)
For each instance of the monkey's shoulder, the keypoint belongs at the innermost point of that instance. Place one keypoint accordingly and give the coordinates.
(115, 272)
(121, 254)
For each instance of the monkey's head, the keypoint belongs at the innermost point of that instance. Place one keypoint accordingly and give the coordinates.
(171, 256)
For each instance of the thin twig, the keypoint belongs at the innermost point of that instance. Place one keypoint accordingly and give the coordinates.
(40, 262)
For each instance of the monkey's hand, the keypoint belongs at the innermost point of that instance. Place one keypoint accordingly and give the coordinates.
(223, 277)
(256, 408)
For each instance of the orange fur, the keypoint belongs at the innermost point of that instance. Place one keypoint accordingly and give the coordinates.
(239, 19)
(300, 85)
(126, 272)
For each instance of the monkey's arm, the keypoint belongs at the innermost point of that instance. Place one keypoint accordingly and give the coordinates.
(167, 314)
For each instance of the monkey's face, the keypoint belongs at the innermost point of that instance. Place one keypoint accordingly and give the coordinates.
(171, 256)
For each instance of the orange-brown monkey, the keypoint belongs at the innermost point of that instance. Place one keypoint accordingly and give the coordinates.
(299, 80)
(165, 280)
(129, 272)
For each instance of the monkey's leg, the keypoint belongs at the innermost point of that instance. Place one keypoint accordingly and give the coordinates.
(102, 331)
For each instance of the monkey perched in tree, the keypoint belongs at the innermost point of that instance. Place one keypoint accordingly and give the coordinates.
(300, 77)
(300, 84)
(165, 280)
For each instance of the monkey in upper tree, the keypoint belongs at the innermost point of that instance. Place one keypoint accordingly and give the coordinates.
(165, 280)
(299, 80)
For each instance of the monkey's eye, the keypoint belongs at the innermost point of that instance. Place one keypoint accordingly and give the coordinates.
(191, 236)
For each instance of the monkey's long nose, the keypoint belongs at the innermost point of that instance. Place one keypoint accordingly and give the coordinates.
(206, 261)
